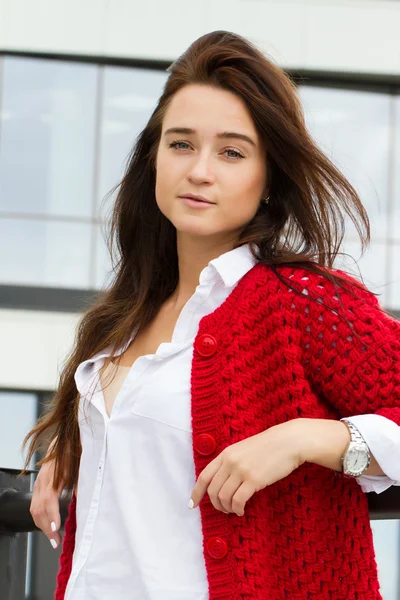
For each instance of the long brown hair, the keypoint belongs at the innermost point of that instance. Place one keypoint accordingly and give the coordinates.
(302, 225)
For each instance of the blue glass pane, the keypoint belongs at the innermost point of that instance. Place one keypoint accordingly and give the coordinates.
(130, 96)
(387, 549)
(396, 172)
(353, 130)
(45, 253)
(17, 416)
(47, 140)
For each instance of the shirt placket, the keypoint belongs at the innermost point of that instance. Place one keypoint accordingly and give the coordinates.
(87, 536)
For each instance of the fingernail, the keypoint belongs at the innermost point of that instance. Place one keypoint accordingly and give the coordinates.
(53, 543)
(53, 526)
(191, 503)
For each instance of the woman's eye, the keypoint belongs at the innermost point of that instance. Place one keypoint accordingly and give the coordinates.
(176, 144)
(235, 152)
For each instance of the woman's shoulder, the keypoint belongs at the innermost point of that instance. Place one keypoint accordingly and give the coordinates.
(323, 281)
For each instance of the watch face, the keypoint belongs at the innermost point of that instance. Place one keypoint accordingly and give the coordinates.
(356, 460)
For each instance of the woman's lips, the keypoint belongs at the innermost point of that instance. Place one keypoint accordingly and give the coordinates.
(196, 203)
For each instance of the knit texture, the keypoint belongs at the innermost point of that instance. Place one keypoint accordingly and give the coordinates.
(282, 356)
(67, 550)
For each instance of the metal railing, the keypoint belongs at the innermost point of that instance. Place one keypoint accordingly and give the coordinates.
(15, 524)
(16, 521)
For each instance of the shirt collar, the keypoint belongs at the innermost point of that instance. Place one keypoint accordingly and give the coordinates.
(230, 266)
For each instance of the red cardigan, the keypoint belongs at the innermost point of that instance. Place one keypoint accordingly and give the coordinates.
(265, 356)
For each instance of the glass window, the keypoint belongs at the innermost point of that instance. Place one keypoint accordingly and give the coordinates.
(394, 300)
(103, 274)
(45, 253)
(396, 216)
(130, 96)
(17, 416)
(353, 130)
(370, 269)
(47, 140)
(386, 536)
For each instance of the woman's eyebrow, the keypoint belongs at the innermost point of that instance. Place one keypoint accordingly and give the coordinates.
(222, 134)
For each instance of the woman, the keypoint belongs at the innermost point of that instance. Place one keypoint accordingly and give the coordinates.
(218, 366)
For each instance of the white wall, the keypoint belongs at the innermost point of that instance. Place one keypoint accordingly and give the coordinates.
(343, 35)
(33, 346)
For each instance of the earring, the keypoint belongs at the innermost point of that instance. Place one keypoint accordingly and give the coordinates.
(266, 200)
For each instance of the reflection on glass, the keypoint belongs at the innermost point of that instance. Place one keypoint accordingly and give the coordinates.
(103, 275)
(130, 96)
(370, 269)
(17, 416)
(396, 217)
(47, 137)
(386, 536)
(394, 277)
(353, 130)
(44, 253)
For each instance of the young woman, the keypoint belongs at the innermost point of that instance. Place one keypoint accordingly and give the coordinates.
(220, 364)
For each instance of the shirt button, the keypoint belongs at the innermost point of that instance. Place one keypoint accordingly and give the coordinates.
(217, 547)
(206, 345)
(205, 444)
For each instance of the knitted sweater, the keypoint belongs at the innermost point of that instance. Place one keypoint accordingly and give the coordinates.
(265, 356)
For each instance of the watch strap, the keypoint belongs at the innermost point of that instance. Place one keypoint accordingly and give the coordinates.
(354, 432)
(356, 437)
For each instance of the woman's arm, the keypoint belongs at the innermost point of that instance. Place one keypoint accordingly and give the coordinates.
(355, 366)
(324, 442)
(45, 504)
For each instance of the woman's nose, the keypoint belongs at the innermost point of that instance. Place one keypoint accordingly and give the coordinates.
(201, 168)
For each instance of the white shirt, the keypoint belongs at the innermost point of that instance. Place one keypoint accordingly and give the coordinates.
(136, 538)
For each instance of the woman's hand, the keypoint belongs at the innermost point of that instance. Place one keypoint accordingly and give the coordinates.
(249, 466)
(45, 505)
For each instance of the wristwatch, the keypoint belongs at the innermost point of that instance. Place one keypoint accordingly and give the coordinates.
(357, 456)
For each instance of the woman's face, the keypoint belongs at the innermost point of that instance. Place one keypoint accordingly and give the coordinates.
(228, 171)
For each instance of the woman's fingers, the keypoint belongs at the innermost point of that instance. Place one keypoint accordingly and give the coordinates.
(45, 506)
(51, 503)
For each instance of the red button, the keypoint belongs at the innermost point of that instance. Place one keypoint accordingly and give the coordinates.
(206, 345)
(205, 444)
(217, 547)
